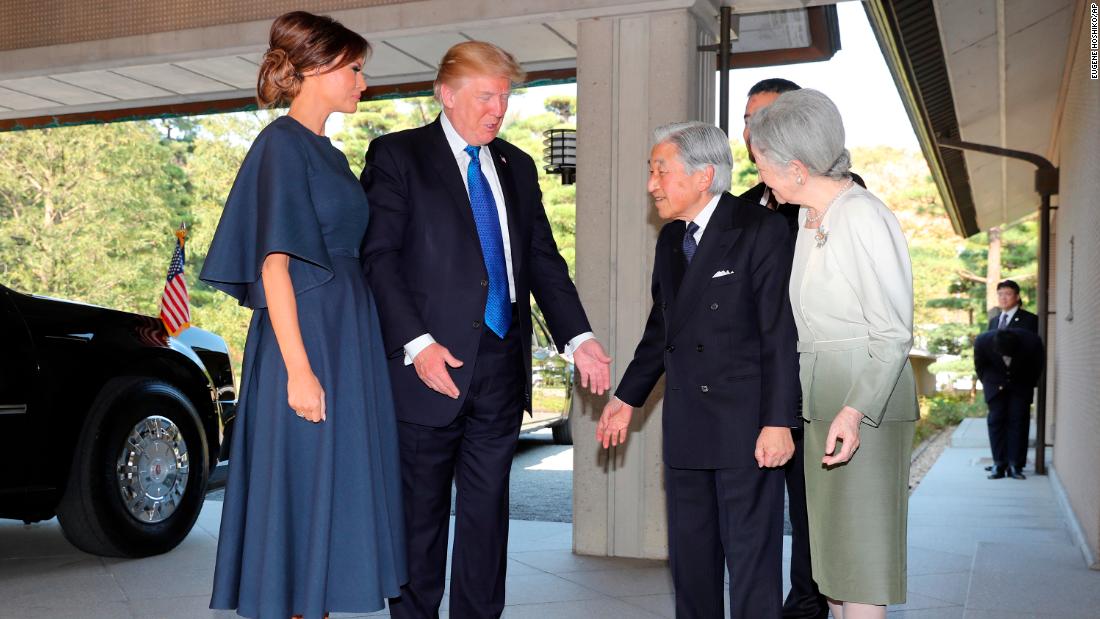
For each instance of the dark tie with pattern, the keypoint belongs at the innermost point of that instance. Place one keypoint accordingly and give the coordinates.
(1004, 320)
(498, 311)
(689, 241)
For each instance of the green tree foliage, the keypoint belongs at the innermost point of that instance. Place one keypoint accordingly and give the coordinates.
(88, 212)
(376, 118)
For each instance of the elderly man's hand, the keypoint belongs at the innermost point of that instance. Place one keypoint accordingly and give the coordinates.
(774, 446)
(594, 366)
(614, 423)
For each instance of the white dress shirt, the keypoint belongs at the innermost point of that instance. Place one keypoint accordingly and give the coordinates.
(489, 169)
(703, 218)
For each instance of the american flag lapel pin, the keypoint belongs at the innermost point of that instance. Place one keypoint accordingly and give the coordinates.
(503, 160)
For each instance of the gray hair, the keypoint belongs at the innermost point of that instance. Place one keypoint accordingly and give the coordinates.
(700, 145)
(804, 125)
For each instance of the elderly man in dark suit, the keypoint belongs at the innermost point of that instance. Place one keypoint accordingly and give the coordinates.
(1009, 362)
(458, 241)
(722, 333)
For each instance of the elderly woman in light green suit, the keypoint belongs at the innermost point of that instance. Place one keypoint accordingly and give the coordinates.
(852, 293)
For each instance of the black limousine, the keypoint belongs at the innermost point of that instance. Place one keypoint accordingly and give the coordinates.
(108, 423)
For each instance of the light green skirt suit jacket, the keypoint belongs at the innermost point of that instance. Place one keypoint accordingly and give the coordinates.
(852, 294)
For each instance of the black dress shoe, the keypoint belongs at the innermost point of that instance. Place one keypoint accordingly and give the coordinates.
(997, 474)
(1017, 474)
(989, 468)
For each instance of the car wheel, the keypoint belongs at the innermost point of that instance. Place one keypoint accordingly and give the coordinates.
(139, 473)
(563, 431)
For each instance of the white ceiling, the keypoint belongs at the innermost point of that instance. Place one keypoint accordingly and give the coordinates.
(1005, 67)
(394, 60)
(208, 74)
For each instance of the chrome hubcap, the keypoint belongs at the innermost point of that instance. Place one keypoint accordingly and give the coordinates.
(152, 469)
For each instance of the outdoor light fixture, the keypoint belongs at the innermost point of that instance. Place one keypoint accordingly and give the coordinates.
(560, 153)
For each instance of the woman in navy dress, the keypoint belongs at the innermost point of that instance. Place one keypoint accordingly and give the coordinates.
(312, 520)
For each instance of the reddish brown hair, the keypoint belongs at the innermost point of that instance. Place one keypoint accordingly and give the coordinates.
(477, 58)
(300, 42)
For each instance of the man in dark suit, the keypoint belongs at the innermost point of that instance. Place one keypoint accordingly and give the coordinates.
(458, 242)
(722, 333)
(804, 601)
(1009, 362)
(1012, 314)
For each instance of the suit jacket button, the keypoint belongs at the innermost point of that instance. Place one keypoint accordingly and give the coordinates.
(670, 348)
(477, 324)
(713, 306)
(699, 348)
(704, 389)
(484, 283)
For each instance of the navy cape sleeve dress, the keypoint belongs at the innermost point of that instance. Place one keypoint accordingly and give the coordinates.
(311, 521)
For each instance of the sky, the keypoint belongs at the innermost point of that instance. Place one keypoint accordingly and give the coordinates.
(855, 78)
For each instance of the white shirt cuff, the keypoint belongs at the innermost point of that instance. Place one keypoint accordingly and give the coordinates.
(575, 343)
(415, 347)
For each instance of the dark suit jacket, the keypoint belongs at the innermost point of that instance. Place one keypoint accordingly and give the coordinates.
(789, 211)
(1022, 319)
(1019, 377)
(422, 259)
(725, 344)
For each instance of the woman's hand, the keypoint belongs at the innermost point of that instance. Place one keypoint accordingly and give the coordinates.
(305, 396)
(846, 429)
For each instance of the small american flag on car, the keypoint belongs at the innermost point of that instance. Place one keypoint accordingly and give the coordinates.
(175, 306)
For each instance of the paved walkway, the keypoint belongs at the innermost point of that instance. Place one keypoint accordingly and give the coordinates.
(977, 549)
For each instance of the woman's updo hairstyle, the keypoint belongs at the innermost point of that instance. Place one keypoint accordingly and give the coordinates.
(299, 43)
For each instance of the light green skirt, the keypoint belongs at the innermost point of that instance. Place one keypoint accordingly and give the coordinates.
(858, 513)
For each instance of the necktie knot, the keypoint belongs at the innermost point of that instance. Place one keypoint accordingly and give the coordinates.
(692, 228)
(473, 151)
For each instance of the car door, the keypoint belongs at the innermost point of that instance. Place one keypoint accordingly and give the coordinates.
(17, 370)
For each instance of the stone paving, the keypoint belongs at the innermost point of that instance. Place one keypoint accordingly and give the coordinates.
(978, 549)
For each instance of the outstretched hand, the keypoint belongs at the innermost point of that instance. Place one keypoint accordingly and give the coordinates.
(614, 423)
(844, 428)
(594, 366)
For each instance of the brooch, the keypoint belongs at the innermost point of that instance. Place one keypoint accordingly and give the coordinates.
(821, 236)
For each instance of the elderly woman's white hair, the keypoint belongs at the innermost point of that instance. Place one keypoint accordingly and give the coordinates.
(700, 145)
(804, 125)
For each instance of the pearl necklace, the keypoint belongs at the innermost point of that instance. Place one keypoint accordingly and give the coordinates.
(821, 213)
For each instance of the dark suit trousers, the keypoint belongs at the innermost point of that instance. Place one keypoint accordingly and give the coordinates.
(1008, 420)
(476, 451)
(804, 601)
(721, 518)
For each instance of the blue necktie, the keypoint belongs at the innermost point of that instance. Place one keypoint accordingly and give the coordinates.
(689, 241)
(498, 307)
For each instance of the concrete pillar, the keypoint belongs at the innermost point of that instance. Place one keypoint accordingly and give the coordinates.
(634, 73)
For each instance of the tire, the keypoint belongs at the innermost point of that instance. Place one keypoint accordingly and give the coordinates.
(563, 431)
(138, 435)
